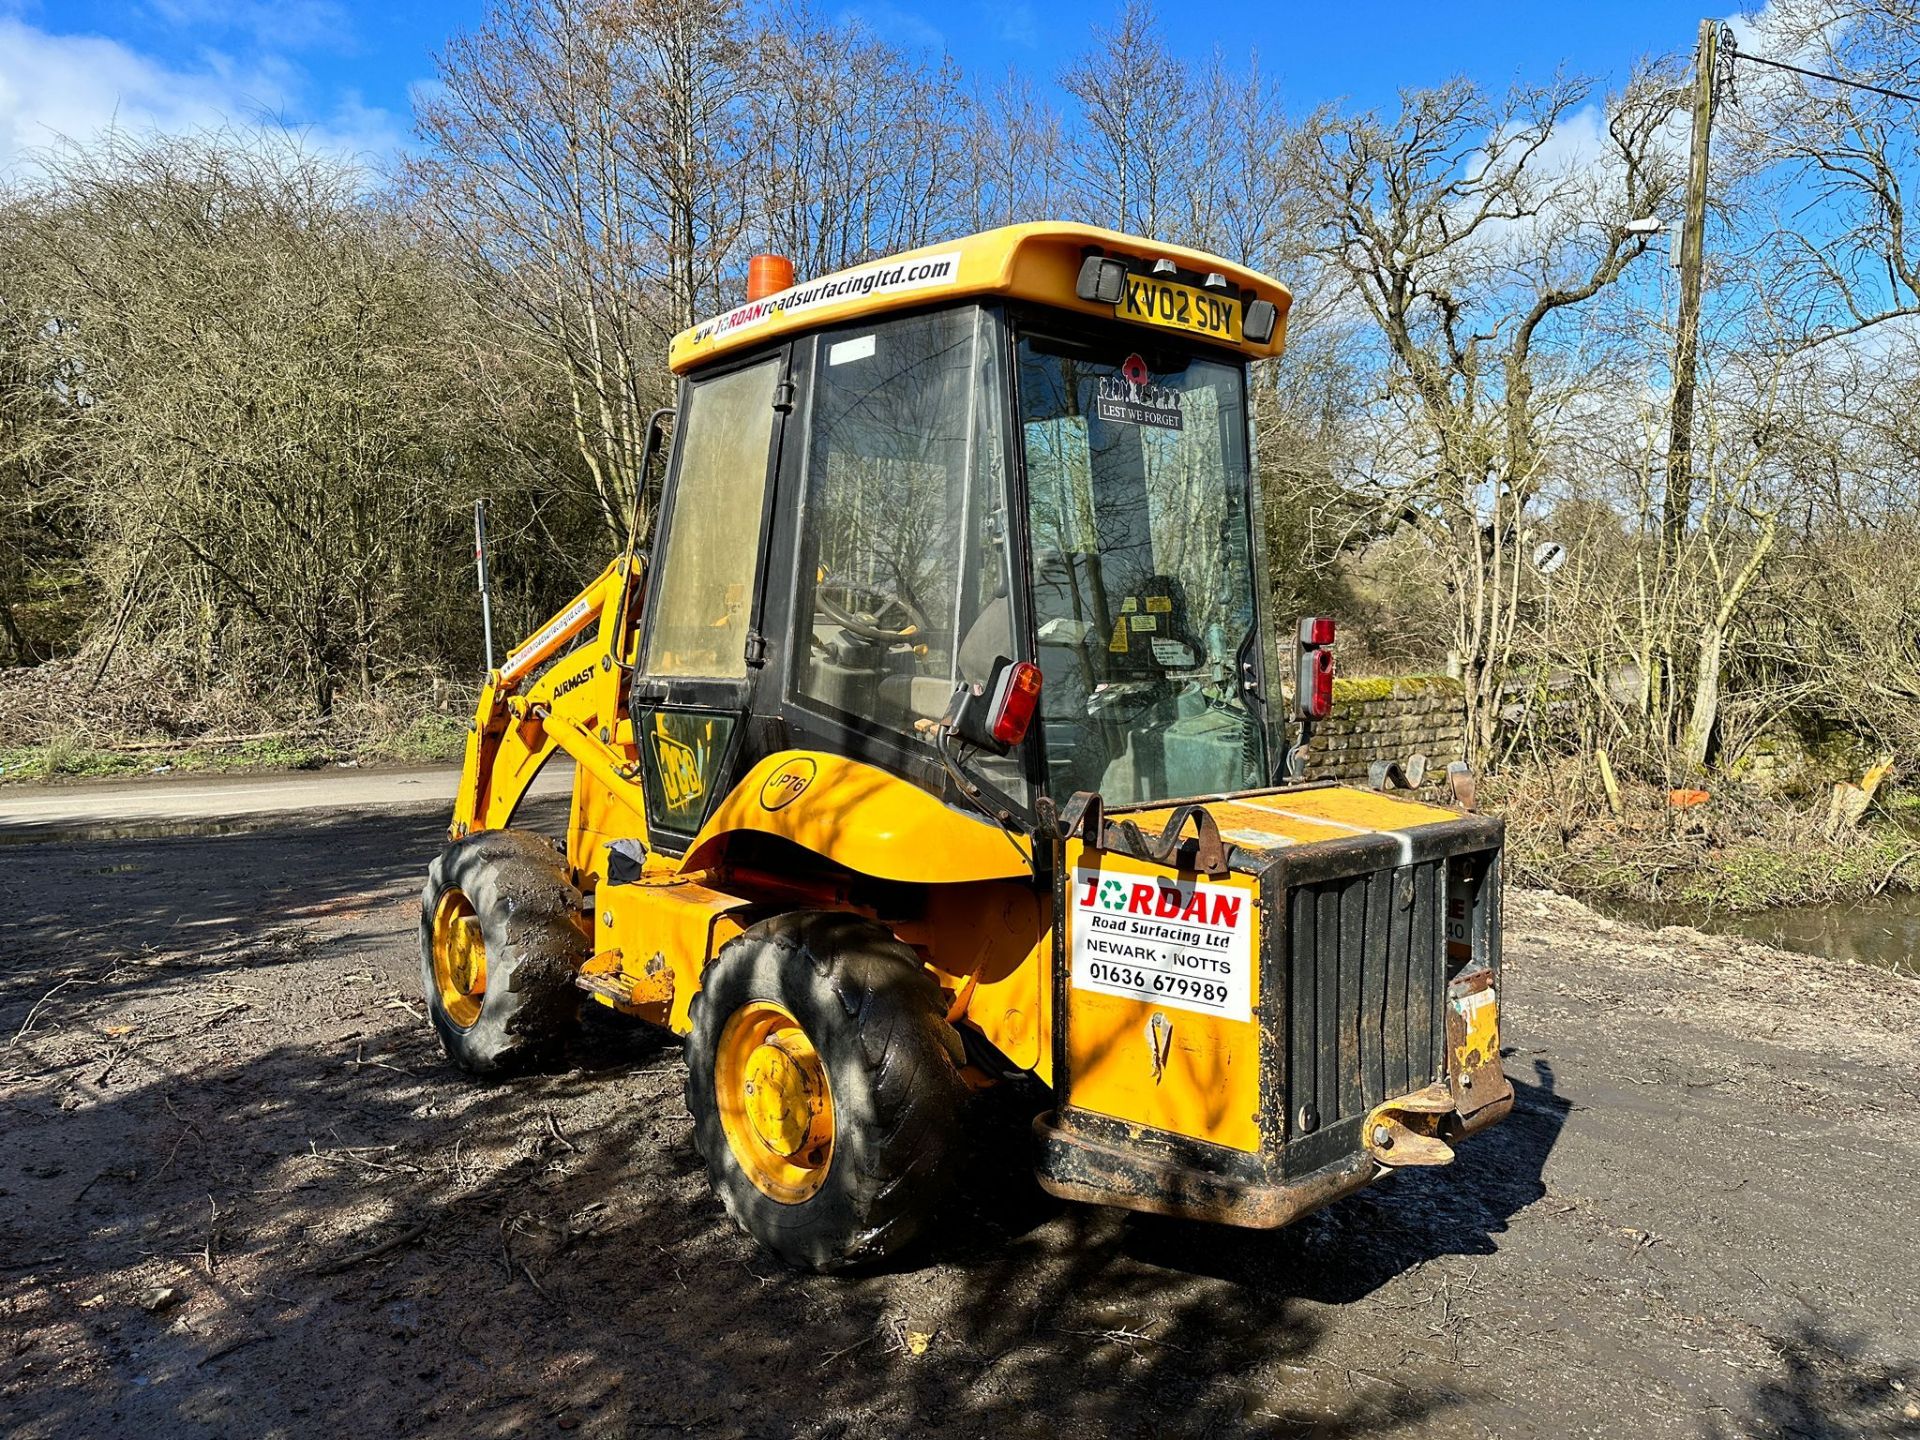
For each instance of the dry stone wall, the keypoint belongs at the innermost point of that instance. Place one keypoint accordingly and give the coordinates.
(1391, 718)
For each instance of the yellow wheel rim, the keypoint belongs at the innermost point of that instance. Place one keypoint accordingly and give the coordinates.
(459, 959)
(774, 1102)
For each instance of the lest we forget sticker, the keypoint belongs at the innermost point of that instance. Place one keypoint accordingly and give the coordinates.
(1185, 944)
(1129, 397)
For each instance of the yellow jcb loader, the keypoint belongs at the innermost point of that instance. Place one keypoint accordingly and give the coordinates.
(936, 740)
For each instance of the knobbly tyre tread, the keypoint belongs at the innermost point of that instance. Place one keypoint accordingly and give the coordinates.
(877, 1020)
(529, 915)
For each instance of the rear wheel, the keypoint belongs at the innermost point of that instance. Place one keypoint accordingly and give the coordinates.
(500, 938)
(824, 1086)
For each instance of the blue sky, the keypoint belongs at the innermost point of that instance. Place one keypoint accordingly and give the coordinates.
(345, 68)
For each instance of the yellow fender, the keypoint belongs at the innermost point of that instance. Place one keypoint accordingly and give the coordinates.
(863, 818)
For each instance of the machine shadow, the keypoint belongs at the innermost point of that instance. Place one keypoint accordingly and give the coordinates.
(1354, 1246)
(1162, 1309)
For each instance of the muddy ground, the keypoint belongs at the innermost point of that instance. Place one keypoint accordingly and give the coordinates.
(241, 1193)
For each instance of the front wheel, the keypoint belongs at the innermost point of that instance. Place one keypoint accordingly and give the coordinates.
(500, 938)
(824, 1085)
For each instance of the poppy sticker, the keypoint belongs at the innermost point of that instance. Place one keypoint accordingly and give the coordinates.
(1130, 397)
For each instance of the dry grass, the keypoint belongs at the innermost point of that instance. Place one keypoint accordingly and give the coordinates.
(55, 722)
(1740, 851)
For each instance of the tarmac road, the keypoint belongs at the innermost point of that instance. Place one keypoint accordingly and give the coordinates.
(242, 1193)
(123, 807)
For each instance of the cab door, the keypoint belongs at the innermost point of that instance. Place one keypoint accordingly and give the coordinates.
(703, 646)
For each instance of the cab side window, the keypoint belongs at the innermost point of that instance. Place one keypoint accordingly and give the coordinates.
(704, 603)
(903, 572)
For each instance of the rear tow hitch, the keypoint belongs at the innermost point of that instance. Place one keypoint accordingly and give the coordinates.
(1406, 1131)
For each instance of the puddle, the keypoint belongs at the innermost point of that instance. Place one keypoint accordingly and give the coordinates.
(1883, 932)
(69, 832)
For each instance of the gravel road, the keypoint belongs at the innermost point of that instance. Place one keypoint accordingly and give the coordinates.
(241, 1193)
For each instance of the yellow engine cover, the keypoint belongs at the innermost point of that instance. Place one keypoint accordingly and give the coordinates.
(1164, 1004)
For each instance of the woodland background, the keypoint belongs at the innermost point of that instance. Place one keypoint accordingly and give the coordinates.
(250, 390)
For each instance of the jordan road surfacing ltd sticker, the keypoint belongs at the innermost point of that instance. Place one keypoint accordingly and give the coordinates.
(918, 272)
(1182, 943)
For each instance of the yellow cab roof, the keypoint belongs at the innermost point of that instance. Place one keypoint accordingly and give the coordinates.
(1038, 262)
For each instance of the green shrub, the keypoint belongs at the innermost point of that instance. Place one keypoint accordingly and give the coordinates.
(71, 753)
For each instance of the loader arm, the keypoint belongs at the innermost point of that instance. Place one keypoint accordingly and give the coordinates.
(578, 706)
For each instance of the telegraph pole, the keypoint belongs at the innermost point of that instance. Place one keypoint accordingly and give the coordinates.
(1686, 353)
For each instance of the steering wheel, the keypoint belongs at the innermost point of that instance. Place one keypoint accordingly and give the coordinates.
(867, 623)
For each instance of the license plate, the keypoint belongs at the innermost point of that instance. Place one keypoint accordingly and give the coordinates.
(1180, 307)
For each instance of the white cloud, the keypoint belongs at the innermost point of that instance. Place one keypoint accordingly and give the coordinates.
(55, 87)
(276, 24)
(1772, 31)
(1018, 25)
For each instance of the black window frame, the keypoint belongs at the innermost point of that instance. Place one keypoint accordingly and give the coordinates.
(699, 691)
(1024, 319)
(908, 755)
(741, 698)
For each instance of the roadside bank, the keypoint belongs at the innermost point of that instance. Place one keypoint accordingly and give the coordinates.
(1720, 852)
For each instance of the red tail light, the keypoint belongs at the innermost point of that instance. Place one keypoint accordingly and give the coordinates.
(1313, 686)
(1316, 684)
(1015, 699)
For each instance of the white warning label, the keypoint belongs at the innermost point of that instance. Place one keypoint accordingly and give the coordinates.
(1185, 944)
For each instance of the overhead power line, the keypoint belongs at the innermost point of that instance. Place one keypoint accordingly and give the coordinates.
(1735, 53)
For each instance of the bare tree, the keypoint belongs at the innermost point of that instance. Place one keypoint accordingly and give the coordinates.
(1129, 154)
(1471, 235)
(40, 539)
(1018, 156)
(586, 158)
(269, 414)
(863, 149)
(1840, 251)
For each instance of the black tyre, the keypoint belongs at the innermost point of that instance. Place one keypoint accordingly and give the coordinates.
(824, 1086)
(501, 935)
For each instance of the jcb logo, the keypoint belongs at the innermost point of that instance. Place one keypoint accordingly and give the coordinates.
(680, 778)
